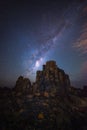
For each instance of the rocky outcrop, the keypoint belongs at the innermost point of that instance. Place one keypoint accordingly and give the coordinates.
(52, 78)
(23, 85)
(40, 105)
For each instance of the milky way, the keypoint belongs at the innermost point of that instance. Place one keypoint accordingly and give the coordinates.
(33, 32)
(66, 21)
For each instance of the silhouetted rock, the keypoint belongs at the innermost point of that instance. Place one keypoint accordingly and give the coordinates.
(52, 79)
(23, 85)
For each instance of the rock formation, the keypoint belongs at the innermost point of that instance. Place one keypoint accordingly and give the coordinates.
(23, 85)
(44, 104)
(52, 78)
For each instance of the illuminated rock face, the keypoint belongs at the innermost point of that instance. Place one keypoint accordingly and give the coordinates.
(52, 78)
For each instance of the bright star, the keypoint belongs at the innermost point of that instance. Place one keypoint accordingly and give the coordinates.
(38, 62)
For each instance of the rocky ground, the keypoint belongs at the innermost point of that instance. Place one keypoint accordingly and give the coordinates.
(40, 112)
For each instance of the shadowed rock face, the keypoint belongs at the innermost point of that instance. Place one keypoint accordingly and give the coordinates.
(38, 107)
(52, 77)
(22, 84)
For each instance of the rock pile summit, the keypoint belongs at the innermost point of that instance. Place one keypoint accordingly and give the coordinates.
(52, 76)
(50, 79)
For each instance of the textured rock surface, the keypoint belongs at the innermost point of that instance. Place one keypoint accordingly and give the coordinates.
(23, 85)
(52, 78)
(40, 106)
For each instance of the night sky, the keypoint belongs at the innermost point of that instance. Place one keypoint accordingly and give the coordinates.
(33, 32)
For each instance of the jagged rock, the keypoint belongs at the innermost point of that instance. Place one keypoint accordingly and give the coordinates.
(23, 85)
(52, 78)
(41, 107)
